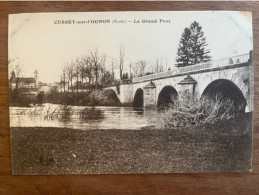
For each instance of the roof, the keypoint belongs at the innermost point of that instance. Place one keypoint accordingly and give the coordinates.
(24, 80)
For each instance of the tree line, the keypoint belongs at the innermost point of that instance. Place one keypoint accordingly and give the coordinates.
(94, 70)
(85, 73)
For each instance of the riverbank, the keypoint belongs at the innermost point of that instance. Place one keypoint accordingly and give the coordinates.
(94, 98)
(208, 148)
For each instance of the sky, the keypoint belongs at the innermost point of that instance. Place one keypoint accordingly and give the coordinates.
(37, 42)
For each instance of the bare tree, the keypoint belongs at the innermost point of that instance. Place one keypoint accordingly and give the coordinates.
(139, 68)
(151, 68)
(157, 65)
(77, 73)
(66, 75)
(64, 78)
(142, 65)
(16, 72)
(82, 73)
(135, 68)
(97, 62)
(15, 75)
(130, 70)
(103, 71)
(161, 65)
(69, 72)
(112, 69)
(121, 61)
(61, 83)
(88, 69)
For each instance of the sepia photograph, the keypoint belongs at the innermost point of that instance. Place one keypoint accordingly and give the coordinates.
(131, 92)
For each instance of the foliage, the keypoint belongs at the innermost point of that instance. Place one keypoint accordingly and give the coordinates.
(192, 47)
(103, 98)
(18, 97)
(53, 96)
(190, 112)
(91, 114)
(125, 76)
(40, 97)
(94, 98)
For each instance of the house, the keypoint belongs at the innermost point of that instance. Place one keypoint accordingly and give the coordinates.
(29, 85)
(26, 82)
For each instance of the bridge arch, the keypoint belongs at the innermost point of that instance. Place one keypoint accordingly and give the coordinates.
(227, 90)
(115, 90)
(138, 98)
(167, 96)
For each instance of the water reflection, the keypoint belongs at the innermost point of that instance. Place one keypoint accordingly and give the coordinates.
(90, 114)
(79, 117)
(138, 111)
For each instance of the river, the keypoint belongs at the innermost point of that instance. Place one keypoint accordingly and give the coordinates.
(79, 117)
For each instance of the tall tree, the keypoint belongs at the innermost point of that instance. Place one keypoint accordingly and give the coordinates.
(184, 49)
(64, 78)
(143, 66)
(82, 73)
(97, 62)
(121, 61)
(192, 47)
(15, 74)
(135, 69)
(70, 70)
(200, 52)
(112, 70)
(88, 69)
(77, 72)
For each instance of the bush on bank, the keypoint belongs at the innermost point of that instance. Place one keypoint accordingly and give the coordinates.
(188, 113)
(94, 98)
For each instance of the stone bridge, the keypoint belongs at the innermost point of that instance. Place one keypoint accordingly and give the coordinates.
(232, 77)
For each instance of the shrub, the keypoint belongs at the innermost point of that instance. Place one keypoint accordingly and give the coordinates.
(90, 113)
(187, 113)
(103, 98)
(64, 112)
(40, 97)
(53, 96)
(50, 112)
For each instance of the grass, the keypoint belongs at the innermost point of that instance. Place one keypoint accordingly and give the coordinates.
(203, 148)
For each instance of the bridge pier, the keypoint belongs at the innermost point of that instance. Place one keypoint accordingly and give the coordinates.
(193, 82)
(188, 89)
(126, 94)
(149, 95)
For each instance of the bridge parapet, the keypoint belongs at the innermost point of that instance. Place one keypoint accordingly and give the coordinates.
(231, 61)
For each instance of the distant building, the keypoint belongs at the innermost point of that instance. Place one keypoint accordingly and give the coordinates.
(30, 85)
(26, 82)
(46, 88)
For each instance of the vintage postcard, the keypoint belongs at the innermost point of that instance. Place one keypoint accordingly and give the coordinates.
(131, 92)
